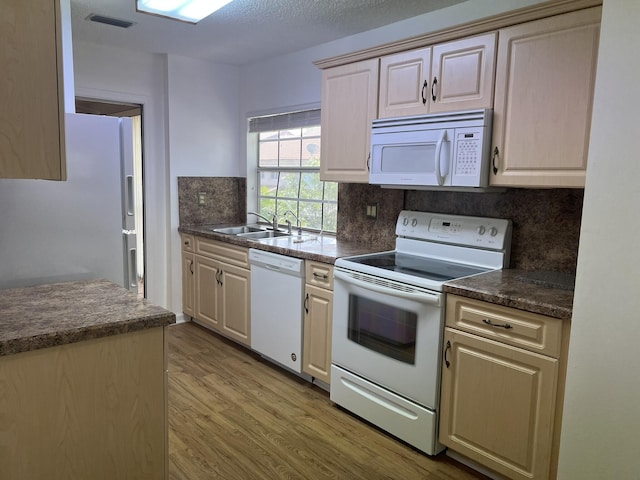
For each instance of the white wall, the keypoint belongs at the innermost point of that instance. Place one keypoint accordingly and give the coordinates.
(202, 111)
(110, 73)
(601, 425)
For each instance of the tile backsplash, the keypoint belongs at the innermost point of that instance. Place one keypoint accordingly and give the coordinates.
(546, 223)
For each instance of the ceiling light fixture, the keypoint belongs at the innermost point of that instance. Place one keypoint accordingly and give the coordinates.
(191, 11)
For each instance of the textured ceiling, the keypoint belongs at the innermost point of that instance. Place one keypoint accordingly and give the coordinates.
(244, 31)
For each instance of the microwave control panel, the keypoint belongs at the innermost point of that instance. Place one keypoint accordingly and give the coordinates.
(468, 153)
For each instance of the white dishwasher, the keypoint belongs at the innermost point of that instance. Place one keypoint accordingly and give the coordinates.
(277, 289)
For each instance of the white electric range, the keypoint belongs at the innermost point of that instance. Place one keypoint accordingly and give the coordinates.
(388, 319)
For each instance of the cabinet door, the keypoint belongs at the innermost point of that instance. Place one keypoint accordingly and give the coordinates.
(318, 307)
(31, 95)
(207, 292)
(235, 303)
(404, 83)
(188, 284)
(543, 99)
(349, 105)
(497, 405)
(463, 74)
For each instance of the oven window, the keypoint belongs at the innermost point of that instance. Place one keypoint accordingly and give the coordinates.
(383, 328)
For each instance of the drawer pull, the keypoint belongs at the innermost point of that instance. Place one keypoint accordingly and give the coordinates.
(488, 322)
(322, 276)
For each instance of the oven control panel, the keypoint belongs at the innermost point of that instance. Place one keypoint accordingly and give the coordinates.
(479, 232)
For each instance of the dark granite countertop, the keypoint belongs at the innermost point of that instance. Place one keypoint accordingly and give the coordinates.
(48, 315)
(546, 293)
(319, 248)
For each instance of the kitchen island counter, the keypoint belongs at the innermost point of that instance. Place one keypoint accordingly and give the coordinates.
(33, 318)
(546, 293)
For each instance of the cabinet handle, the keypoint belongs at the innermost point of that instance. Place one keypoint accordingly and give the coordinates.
(496, 153)
(219, 277)
(488, 322)
(191, 267)
(433, 89)
(368, 162)
(447, 348)
(425, 85)
(306, 303)
(221, 274)
(322, 276)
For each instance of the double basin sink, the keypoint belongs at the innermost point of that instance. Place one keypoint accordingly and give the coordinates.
(252, 233)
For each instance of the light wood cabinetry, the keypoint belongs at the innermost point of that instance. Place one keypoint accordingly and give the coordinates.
(502, 383)
(318, 317)
(92, 409)
(543, 99)
(222, 288)
(188, 275)
(404, 83)
(349, 105)
(31, 91)
(450, 76)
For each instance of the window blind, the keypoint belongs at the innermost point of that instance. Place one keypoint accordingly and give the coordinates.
(270, 123)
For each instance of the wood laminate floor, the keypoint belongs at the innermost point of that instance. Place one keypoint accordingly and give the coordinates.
(235, 416)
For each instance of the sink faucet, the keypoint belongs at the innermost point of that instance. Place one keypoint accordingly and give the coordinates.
(273, 221)
(299, 226)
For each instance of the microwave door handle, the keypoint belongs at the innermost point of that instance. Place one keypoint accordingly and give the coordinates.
(443, 139)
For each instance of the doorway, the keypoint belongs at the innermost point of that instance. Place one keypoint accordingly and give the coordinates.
(133, 111)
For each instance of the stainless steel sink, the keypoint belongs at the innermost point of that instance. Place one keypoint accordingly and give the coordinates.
(238, 230)
(263, 234)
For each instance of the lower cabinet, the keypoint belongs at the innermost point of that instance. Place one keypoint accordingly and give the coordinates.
(188, 276)
(222, 287)
(318, 315)
(501, 395)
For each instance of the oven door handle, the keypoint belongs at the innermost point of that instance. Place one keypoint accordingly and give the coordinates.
(423, 297)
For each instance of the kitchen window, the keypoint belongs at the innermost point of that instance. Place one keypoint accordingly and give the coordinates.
(288, 170)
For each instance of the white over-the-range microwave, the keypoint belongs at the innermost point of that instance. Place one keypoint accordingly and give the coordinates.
(437, 151)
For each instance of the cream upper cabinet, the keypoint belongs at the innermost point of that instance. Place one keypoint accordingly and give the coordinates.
(318, 321)
(404, 83)
(501, 395)
(543, 99)
(349, 105)
(451, 76)
(463, 74)
(31, 91)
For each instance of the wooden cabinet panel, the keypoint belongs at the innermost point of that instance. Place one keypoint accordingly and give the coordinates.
(349, 105)
(235, 303)
(317, 333)
(404, 83)
(543, 100)
(207, 291)
(94, 409)
(188, 284)
(463, 74)
(319, 274)
(31, 91)
(497, 405)
(537, 333)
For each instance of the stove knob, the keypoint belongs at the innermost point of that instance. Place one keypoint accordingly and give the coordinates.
(481, 230)
(414, 222)
(493, 231)
(405, 221)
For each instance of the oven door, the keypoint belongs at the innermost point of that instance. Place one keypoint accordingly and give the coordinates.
(389, 333)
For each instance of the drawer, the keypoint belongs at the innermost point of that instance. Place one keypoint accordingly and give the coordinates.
(225, 252)
(319, 274)
(533, 332)
(187, 242)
